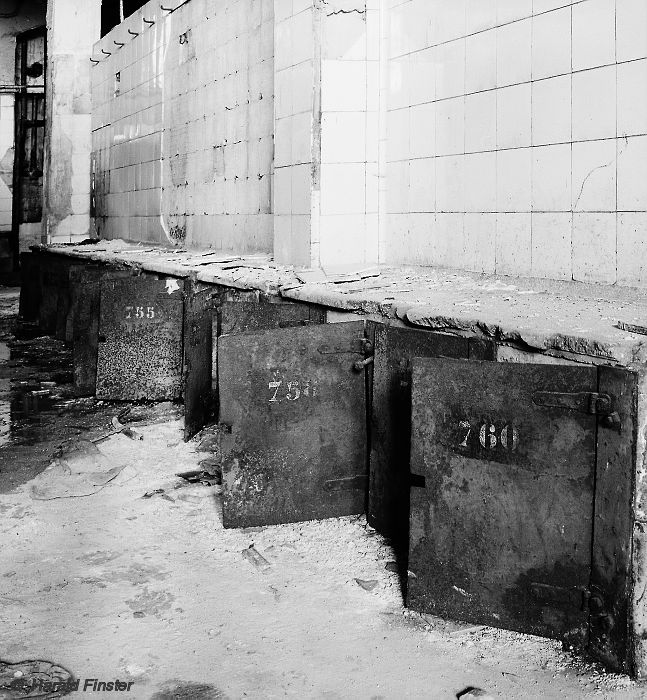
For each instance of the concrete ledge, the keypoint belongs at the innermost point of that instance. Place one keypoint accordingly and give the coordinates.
(564, 319)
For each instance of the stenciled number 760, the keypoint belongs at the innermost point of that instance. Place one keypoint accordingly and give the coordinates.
(488, 435)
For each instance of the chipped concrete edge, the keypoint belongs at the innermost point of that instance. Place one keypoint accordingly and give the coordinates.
(638, 617)
(580, 349)
(568, 347)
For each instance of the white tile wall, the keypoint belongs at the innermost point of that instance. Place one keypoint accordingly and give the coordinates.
(326, 188)
(512, 134)
(535, 159)
(349, 179)
(294, 81)
(183, 125)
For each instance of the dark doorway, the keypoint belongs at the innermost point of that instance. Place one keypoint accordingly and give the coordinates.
(29, 133)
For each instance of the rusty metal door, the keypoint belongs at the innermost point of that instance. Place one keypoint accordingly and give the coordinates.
(295, 403)
(266, 314)
(140, 339)
(200, 301)
(85, 302)
(501, 521)
(30, 290)
(241, 311)
(395, 348)
(55, 301)
(211, 311)
(29, 131)
(30, 141)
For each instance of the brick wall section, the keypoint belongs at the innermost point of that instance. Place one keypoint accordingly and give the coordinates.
(183, 126)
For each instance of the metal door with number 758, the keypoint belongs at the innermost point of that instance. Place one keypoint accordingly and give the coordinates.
(295, 404)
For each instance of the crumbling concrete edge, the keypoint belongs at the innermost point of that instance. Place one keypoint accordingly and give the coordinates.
(638, 616)
(566, 345)
(579, 349)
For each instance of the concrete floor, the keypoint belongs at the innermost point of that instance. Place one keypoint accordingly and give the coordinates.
(155, 591)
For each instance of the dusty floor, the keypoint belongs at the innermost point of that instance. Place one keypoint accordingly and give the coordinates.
(154, 590)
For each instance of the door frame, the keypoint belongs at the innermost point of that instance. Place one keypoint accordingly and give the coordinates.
(21, 89)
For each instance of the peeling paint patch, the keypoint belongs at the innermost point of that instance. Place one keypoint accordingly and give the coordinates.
(171, 286)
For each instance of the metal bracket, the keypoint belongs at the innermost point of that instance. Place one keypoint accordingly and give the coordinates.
(363, 364)
(368, 350)
(584, 401)
(349, 483)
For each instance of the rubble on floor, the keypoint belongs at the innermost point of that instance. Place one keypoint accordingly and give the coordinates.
(140, 582)
(156, 592)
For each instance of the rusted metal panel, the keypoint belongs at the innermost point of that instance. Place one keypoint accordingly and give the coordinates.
(227, 296)
(54, 282)
(66, 307)
(199, 303)
(55, 314)
(638, 625)
(638, 644)
(395, 347)
(140, 339)
(501, 531)
(241, 316)
(482, 349)
(610, 587)
(239, 311)
(29, 286)
(85, 291)
(85, 295)
(296, 407)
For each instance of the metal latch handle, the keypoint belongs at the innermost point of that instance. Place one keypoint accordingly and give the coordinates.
(590, 402)
(368, 350)
(583, 401)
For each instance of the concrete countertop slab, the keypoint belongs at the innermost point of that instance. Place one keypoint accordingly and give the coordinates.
(568, 319)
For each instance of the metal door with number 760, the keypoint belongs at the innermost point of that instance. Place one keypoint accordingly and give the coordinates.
(512, 462)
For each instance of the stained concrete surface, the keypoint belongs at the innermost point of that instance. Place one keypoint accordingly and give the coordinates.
(39, 412)
(155, 591)
(570, 319)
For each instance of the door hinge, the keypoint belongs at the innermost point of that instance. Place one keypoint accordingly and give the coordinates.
(589, 402)
(583, 401)
(368, 350)
(600, 619)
